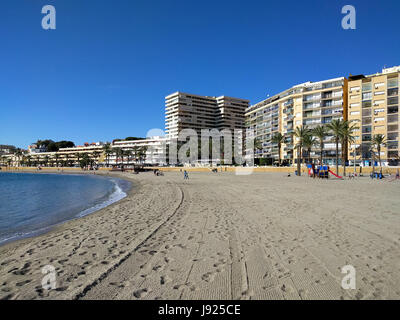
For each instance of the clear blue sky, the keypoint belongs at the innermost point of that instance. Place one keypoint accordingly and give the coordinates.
(104, 72)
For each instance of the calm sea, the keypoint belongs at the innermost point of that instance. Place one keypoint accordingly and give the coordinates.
(31, 204)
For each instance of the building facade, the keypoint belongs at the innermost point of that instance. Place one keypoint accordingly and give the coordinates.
(374, 108)
(190, 111)
(154, 150)
(308, 104)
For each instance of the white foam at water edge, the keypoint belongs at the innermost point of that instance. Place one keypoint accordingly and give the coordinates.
(117, 195)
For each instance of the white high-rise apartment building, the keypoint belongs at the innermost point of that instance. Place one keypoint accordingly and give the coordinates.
(190, 111)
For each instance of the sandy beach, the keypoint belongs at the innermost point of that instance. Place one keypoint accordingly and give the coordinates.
(220, 236)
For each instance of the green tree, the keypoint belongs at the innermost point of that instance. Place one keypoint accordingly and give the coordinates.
(85, 160)
(278, 139)
(142, 153)
(346, 137)
(301, 134)
(309, 142)
(18, 153)
(320, 132)
(336, 127)
(378, 141)
(118, 154)
(108, 152)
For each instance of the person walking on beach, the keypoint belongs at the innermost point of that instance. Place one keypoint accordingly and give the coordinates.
(185, 175)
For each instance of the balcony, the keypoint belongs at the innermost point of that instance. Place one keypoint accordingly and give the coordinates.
(393, 83)
(393, 92)
(288, 103)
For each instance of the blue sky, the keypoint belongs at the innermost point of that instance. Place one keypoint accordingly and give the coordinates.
(104, 72)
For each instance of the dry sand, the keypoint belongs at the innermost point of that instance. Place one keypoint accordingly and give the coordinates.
(220, 236)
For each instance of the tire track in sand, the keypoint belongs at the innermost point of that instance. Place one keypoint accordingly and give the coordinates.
(104, 275)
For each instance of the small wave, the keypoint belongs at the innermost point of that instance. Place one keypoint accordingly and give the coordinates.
(117, 195)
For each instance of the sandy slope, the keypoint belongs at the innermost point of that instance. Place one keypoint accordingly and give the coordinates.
(220, 236)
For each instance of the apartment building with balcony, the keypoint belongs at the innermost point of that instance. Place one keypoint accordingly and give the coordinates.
(307, 104)
(374, 108)
(190, 111)
(155, 150)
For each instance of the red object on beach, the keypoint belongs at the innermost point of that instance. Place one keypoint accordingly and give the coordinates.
(335, 175)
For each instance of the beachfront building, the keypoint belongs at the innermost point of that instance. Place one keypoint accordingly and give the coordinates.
(374, 107)
(6, 149)
(149, 151)
(191, 111)
(63, 157)
(307, 104)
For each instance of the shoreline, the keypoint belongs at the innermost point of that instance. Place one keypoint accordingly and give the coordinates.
(47, 230)
(219, 236)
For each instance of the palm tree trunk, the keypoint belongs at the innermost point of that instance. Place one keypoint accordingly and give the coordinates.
(379, 157)
(299, 161)
(279, 154)
(322, 153)
(337, 156)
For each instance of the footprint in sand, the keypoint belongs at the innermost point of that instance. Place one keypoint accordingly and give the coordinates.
(165, 279)
(140, 293)
(208, 277)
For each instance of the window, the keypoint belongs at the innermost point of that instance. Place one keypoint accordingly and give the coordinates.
(393, 92)
(366, 87)
(354, 113)
(378, 102)
(379, 93)
(366, 104)
(353, 89)
(379, 119)
(393, 100)
(354, 97)
(393, 83)
(367, 129)
(379, 85)
(367, 96)
(353, 105)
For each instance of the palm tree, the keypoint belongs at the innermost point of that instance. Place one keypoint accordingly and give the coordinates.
(337, 126)
(96, 156)
(66, 160)
(378, 141)
(308, 143)
(18, 153)
(46, 160)
(278, 139)
(257, 144)
(28, 159)
(57, 158)
(142, 153)
(118, 152)
(346, 137)
(2, 160)
(301, 134)
(128, 153)
(321, 132)
(107, 151)
(78, 156)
